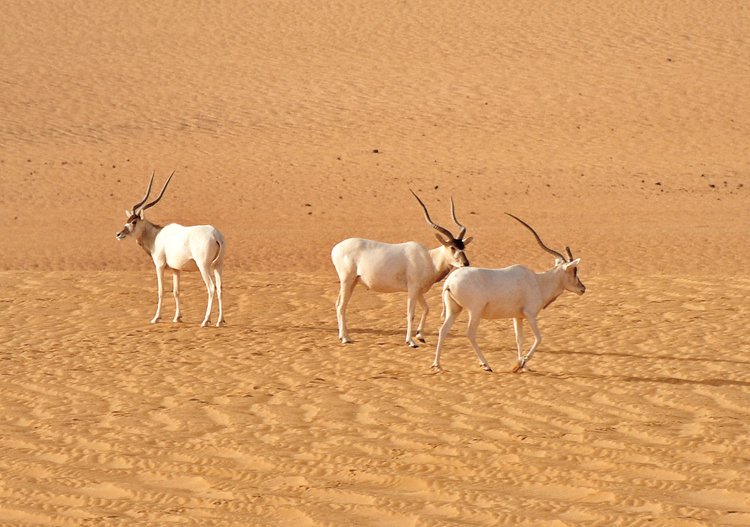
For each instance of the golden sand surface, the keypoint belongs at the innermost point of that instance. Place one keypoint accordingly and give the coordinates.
(618, 128)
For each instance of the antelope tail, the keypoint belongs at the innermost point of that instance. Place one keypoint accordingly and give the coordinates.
(446, 295)
(218, 254)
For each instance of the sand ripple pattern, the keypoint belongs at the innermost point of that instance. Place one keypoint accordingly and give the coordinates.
(636, 414)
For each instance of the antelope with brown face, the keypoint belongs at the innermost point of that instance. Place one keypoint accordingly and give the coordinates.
(387, 268)
(179, 248)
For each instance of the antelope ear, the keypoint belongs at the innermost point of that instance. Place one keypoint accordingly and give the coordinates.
(442, 240)
(467, 241)
(574, 263)
(128, 213)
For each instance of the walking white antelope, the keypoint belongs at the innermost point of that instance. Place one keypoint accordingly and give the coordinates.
(387, 268)
(514, 292)
(178, 248)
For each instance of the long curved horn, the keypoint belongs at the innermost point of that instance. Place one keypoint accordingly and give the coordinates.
(434, 225)
(538, 239)
(160, 194)
(570, 253)
(148, 191)
(453, 213)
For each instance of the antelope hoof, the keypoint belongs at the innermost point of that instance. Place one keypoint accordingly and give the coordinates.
(177, 319)
(154, 320)
(345, 340)
(421, 339)
(220, 323)
(436, 368)
(486, 367)
(518, 368)
(205, 323)
(412, 344)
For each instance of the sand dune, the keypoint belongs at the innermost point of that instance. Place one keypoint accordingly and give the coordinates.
(619, 129)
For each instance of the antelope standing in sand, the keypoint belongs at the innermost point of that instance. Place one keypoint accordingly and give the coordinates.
(178, 248)
(387, 268)
(514, 292)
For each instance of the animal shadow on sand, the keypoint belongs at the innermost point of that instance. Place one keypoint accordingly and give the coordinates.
(650, 357)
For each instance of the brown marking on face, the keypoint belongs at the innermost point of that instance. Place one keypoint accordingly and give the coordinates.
(458, 245)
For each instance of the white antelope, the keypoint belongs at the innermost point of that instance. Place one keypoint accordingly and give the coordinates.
(514, 292)
(178, 248)
(387, 268)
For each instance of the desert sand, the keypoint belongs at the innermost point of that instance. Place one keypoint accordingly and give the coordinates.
(618, 128)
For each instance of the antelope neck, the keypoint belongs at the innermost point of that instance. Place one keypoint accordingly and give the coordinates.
(147, 238)
(551, 285)
(440, 263)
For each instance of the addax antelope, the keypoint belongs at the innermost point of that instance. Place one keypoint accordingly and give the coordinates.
(178, 248)
(512, 292)
(386, 268)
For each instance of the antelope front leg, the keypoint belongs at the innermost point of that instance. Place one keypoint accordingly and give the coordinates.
(160, 292)
(176, 293)
(518, 328)
(345, 294)
(537, 340)
(411, 308)
(425, 310)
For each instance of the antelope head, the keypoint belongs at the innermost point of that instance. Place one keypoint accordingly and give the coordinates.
(569, 265)
(135, 220)
(455, 246)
